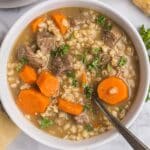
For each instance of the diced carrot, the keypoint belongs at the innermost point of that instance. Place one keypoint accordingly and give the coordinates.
(69, 107)
(83, 78)
(31, 101)
(36, 22)
(113, 90)
(48, 83)
(60, 21)
(28, 74)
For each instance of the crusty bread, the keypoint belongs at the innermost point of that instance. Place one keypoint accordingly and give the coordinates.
(144, 5)
(8, 131)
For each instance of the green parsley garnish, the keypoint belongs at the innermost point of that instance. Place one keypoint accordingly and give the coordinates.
(88, 91)
(22, 62)
(82, 58)
(109, 68)
(72, 76)
(88, 127)
(93, 64)
(74, 82)
(87, 107)
(148, 95)
(71, 36)
(45, 123)
(122, 61)
(145, 34)
(96, 50)
(102, 21)
(60, 51)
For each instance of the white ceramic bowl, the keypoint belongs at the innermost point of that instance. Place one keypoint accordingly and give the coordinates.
(9, 103)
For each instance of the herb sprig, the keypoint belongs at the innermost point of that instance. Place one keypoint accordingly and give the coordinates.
(88, 91)
(88, 127)
(94, 64)
(122, 61)
(60, 51)
(145, 34)
(103, 21)
(22, 62)
(46, 122)
(148, 95)
(87, 107)
(72, 76)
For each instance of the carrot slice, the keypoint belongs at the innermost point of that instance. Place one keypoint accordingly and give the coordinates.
(31, 101)
(60, 21)
(83, 78)
(36, 22)
(48, 83)
(113, 90)
(28, 74)
(69, 107)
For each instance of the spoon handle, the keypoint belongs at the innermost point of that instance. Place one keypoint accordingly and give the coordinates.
(128, 135)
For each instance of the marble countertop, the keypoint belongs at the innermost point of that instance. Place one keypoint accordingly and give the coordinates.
(141, 127)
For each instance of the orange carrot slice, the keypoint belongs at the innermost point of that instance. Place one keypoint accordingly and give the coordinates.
(113, 90)
(28, 74)
(31, 101)
(48, 83)
(36, 22)
(60, 21)
(84, 78)
(69, 107)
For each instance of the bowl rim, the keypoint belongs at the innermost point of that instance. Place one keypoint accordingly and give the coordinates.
(23, 123)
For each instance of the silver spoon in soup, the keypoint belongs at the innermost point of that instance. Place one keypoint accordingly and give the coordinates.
(113, 90)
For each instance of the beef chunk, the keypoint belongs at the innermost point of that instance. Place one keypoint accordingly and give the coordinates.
(60, 65)
(77, 21)
(33, 60)
(104, 59)
(45, 41)
(82, 118)
(110, 38)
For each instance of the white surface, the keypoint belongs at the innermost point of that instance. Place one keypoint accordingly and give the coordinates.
(15, 3)
(140, 127)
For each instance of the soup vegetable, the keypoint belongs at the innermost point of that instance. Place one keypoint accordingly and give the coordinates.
(60, 60)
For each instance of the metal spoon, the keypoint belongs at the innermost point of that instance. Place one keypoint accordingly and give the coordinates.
(128, 135)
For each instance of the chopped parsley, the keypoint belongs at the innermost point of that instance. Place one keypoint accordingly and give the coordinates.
(148, 95)
(60, 51)
(22, 62)
(88, 91)
(88, 127)
(145, 34)
(87, 107)
(109, 68)
(94, 64)
(96, 50)
(74, 83)
(83, 58)
(72, 76)
(102, 21)
(122, 61)
(71, 36)
(45, 123)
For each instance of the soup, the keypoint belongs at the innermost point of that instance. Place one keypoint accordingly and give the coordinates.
(57, 63)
